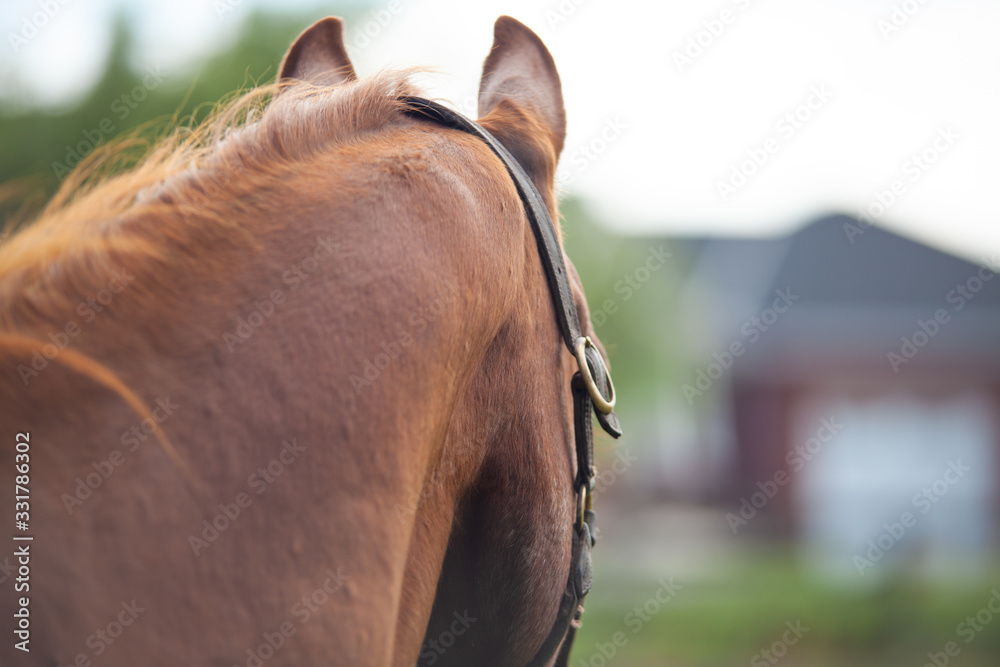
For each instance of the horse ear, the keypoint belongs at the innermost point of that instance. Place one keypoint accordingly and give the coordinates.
(520, 100)
(318, 55)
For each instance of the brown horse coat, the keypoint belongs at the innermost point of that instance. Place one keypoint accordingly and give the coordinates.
(295, 390)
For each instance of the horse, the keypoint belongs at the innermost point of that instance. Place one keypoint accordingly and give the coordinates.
(294, 389)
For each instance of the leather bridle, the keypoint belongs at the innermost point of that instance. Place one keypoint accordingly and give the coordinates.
(591, 384)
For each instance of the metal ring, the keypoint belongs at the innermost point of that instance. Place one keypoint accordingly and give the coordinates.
(583, 503)
(604, 405)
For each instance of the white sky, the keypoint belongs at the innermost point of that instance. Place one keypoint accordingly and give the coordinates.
(674, 134)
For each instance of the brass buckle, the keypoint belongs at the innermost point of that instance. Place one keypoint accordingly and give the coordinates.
(584, 503)
(605, 405)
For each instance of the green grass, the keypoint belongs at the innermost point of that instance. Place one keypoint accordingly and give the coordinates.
(728, 619)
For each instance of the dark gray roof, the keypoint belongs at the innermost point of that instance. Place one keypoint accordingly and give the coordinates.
(836, 261)
(855, 300)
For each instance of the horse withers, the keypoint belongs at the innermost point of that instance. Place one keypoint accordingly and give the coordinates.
(296, 389)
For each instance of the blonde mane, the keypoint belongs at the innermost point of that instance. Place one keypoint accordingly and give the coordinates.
(189, 184)
(185, 197)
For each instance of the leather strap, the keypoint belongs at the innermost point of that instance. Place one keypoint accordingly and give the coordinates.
(571, 605)
(534, 206)
(550, 252)
(583, 427)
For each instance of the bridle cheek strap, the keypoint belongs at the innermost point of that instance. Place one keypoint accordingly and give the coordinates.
(593, 390)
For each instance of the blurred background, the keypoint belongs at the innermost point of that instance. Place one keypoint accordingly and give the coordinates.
(785, 215)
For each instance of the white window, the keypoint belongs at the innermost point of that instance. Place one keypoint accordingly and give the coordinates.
(906, 483)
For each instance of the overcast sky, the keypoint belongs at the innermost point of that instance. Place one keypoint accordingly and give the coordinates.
(732, 117)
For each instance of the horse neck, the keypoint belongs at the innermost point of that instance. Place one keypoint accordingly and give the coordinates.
(512, 517)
